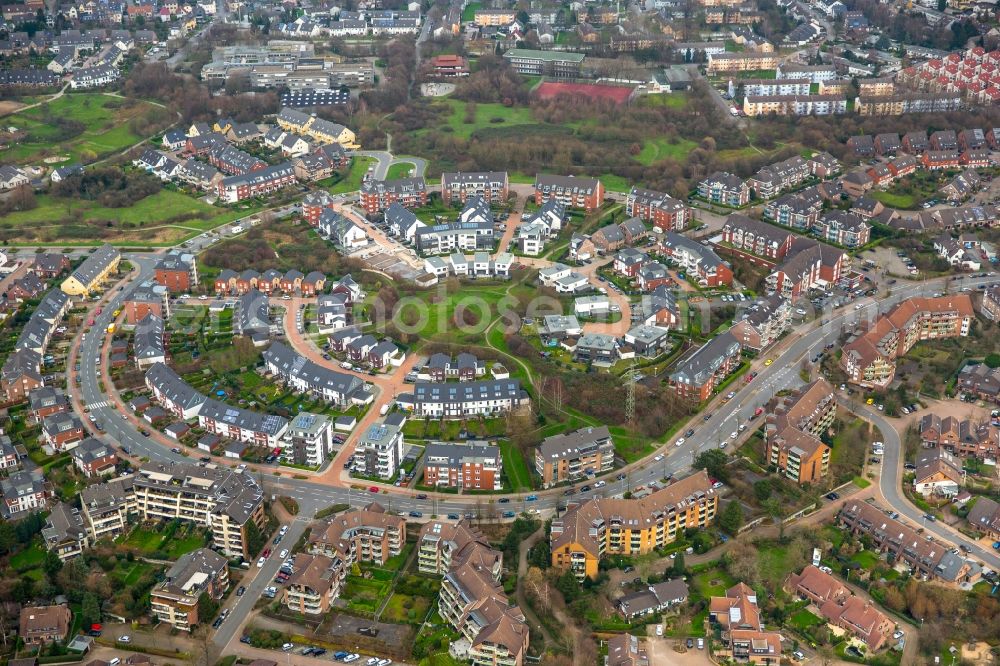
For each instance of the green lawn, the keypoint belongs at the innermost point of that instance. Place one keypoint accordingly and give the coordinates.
(180, 546)
(400, 170)
(352, 181)
(469, 13)
(164, 218)
(676, 100)
(487, 115)
(803, 620)
(865, 558)
(515, 467)
(659, 148)
(106, 129)
(143, 539)
(29, 558)
(405, 609)
(615, 183)
(773, 562)
(907, 201)
(713, 583)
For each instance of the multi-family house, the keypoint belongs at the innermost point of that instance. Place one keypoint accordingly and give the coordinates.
(696, 376)
(600, 527)
(763, 323)
(459, 186)
(94, 458)
(379, 452)
(177, 599)
(725, 188)
(464, 465)
(794, 425)
(937, 473)
(869, 360)
(839, 606)
(572, 455)
(571, 191)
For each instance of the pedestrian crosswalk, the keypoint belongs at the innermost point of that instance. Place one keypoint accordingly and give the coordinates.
(98, 405)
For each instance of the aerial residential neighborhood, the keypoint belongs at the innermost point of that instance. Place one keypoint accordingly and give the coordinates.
(494, 333)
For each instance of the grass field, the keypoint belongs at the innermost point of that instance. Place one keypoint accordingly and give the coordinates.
(106, 121)
(404, 609)
(165, 218)
(400, 170)
(906, 201)
(28, 558)
(515, 467)
(676, 100)
(469, 13)
(659, 148)
(804, 620)
(352, 181)
(487, 115)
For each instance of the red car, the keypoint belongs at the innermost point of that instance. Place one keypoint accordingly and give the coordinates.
(266, 553)
(373, 489)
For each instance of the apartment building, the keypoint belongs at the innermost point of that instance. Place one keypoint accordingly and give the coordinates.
(459, 186)
(315, 582)
(573, 455)
(468, 465)
(473, 603)
(106, 508)
(696, 377)
(794, 105)
(455, 236)
(809, 264)
(571, 191)
(927, 557)
(770, 87)
(379, 452)
(770, 180)
(177, 271)
(870, 360)
(308, 440)
(494, 17)
(175, 599)
(93, 272)
(793, 427)
(442, 546)
(763, 323)
(219, 498)
(755, 238)
(842, 228)
(662, 210)
(262, 182)
(64, 532)
(907, 102)
(361, 535)
(554, 64)
(609, 526)
(724, 188)
(376, 195)
(744, 61)
(479, 398)
(698, 260)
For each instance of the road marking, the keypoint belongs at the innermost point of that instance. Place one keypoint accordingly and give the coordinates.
(98, 405)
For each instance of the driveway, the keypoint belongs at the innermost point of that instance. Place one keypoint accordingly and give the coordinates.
(661, 653)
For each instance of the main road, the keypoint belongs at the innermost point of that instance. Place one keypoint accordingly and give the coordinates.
(710, 431)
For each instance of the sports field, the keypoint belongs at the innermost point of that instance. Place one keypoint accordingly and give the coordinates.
(617, 94)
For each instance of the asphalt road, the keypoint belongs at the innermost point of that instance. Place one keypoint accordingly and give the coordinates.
(676, 461)
(240, 607)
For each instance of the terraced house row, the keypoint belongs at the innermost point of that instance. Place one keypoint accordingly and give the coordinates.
(601, 527)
